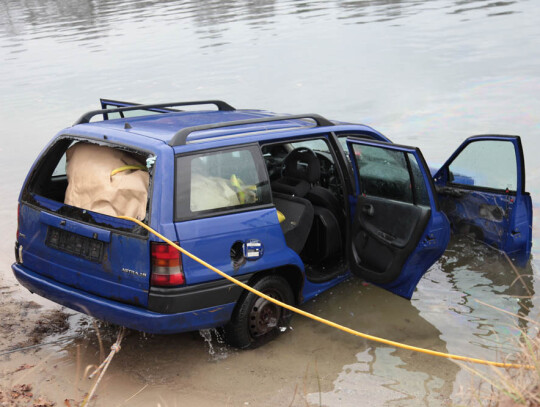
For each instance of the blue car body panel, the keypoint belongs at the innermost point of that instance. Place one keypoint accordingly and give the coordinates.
(213, 237)
(100, 278)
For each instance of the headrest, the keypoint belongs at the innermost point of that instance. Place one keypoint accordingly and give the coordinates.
(302, 163)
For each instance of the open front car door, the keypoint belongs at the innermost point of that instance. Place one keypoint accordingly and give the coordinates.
(398, 230)
(482, 191)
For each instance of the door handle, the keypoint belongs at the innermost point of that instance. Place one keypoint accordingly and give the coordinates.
(368, 209)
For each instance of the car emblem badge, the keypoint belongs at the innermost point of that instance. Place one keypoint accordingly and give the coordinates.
(133, 272)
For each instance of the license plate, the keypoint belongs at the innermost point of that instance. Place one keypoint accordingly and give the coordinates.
(77, 245)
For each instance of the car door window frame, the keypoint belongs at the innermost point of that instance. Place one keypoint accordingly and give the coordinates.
(444, 172)
(433, 200)
(185, 213)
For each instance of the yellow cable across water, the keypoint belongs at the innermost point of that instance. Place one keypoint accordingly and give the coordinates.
(325, 321)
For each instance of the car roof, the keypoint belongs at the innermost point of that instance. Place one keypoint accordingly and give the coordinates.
(164, 126)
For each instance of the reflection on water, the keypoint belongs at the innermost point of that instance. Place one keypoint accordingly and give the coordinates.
(87, 21)
(473, 295)
(450, 312)
(377, 372)
(493, 8)
(425, 72)
(382, 374)
(70, 20)
(465, 279)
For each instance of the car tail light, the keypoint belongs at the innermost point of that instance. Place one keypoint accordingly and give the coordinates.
(166, 265)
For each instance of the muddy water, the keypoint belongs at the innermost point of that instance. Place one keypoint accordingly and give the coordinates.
(425, 73)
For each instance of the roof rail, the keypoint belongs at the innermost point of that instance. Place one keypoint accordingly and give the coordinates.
(180, 138)
(85, 118)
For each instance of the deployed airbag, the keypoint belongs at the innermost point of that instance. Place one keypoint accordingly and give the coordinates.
(91, 185)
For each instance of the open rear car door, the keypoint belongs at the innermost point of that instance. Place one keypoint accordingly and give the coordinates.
(398, 230)
(482, 191)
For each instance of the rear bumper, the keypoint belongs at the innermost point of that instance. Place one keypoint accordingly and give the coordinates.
(118, 313)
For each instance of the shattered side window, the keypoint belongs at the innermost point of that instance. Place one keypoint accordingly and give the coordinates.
(487, 164)
(221, 180)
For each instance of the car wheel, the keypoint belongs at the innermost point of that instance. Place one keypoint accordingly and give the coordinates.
(256, 320)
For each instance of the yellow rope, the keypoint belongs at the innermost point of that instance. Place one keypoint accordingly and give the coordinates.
(325, 321)
(128, 167)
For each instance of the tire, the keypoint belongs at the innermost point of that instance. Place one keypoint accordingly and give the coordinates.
(255, 320)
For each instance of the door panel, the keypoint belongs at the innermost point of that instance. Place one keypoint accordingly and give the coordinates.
(397, 230)
(384, 234)
(482, 191)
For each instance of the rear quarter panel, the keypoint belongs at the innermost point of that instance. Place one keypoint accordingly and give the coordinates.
(211, 240)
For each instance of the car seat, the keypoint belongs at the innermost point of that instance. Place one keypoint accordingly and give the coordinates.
(301, 169)
(298, 213)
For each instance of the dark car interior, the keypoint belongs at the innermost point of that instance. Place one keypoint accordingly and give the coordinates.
(307, 190)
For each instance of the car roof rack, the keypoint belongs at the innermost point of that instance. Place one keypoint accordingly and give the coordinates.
(180, 138)
(221, 105)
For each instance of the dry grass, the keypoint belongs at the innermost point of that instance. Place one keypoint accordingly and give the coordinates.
(512, 387)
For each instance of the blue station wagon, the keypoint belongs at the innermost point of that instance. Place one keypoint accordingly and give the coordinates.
(289, 204)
